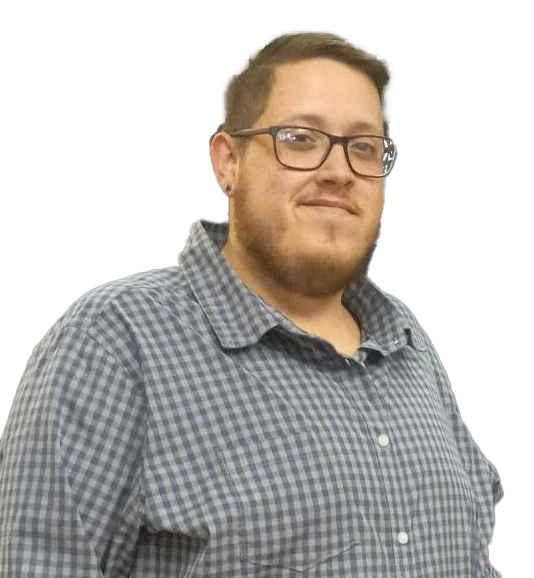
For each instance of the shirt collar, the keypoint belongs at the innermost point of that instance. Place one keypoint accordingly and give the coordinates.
(238, 316)
(386, 323)
(241, 317)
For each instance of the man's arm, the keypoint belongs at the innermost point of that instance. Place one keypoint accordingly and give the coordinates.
(484, 477)
(70, 463)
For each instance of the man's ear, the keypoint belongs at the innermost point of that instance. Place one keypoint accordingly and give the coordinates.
(224, 161)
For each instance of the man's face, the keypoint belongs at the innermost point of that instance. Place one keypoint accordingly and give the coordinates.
(310, 251)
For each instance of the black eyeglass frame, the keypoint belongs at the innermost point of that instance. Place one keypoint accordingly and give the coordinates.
(343, 140)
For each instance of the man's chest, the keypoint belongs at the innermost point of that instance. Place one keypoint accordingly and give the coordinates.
(284, 460)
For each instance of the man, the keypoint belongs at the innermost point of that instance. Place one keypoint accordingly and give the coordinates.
(263, 409)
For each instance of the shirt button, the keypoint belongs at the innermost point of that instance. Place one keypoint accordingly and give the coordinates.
(402, 537)
(383, 440)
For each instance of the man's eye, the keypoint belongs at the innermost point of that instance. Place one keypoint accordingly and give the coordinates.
(363, 147)
(300, 137)
(297, 138)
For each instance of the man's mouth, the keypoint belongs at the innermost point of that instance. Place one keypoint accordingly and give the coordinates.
(331, 206)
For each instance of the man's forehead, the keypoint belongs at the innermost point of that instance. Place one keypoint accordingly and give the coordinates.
(299, 99)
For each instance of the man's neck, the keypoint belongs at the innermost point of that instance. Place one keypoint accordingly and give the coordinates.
(324, 316)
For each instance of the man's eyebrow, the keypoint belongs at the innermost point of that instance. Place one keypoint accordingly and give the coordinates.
(318, 120)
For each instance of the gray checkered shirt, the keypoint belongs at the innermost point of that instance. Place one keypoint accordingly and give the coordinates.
(173, 424)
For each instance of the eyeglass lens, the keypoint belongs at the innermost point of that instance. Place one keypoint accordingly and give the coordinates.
(305, 149)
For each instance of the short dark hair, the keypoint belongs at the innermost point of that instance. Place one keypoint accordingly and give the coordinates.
(247, 93)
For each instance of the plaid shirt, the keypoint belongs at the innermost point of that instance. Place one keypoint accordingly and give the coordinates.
(173, 423)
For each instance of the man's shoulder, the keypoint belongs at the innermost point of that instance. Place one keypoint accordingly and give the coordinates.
(122, 300)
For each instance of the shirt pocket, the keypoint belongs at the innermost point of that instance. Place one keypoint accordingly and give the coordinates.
(448, 495)
(294, 500)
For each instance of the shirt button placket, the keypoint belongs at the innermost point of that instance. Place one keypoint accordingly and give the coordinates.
(402, 561)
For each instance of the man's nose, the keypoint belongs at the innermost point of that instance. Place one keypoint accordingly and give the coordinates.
(336, 163)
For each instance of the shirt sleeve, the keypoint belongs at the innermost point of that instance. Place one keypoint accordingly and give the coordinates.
(476, 463)
(483, 475)
(70, 463)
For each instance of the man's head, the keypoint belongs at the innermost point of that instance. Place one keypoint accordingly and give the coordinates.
(248, 92)
(312, 252)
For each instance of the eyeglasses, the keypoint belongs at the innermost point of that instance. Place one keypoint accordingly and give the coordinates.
(304, 149)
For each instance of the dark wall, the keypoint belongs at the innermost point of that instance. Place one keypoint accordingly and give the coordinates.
(91, 184)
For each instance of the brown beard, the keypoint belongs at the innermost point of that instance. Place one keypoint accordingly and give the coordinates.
(306, 274)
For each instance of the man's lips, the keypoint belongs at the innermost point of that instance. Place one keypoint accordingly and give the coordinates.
(328, 203)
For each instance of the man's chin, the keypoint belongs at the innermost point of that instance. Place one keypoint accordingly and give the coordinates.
(321, 274)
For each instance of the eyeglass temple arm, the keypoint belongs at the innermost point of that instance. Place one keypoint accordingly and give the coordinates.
(249, 132)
